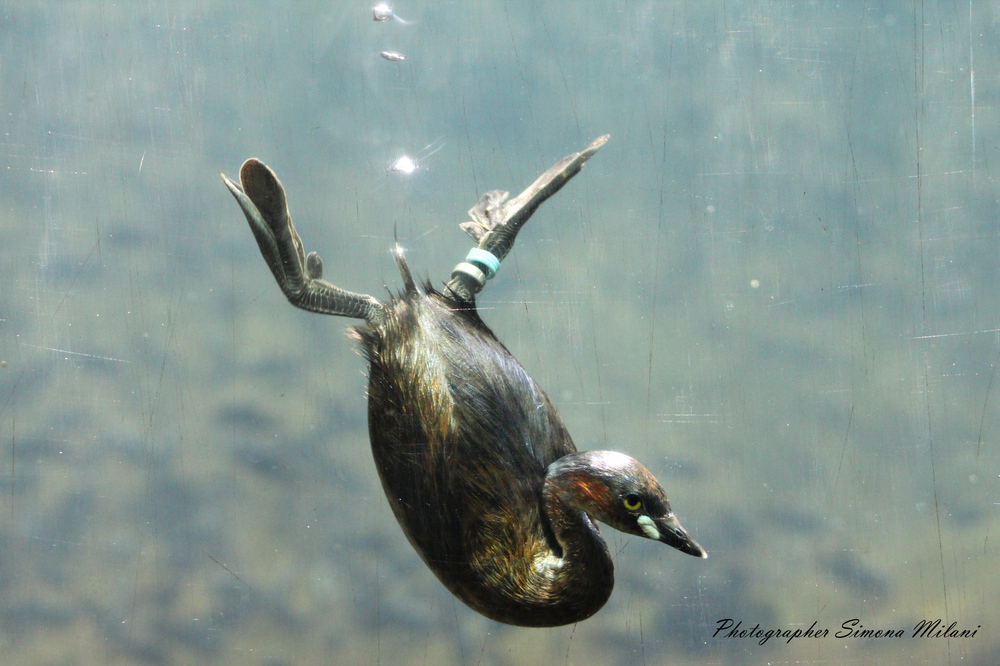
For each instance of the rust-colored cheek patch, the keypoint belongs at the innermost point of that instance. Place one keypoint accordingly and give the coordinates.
(590, 491)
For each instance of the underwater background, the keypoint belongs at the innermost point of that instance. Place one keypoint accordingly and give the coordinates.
(775, 286)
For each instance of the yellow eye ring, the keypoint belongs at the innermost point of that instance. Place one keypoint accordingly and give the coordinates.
(632, 502)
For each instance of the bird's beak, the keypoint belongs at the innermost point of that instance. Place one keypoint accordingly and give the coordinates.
(672, 534)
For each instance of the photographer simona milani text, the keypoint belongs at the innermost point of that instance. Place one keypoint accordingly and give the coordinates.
(729, 628)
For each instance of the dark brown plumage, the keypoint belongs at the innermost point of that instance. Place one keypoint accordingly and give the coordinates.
(474, 459)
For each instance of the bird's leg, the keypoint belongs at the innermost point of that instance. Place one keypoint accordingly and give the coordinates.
(496, 221)
(262, 197)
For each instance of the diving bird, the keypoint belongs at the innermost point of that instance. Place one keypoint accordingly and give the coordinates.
(474, 459)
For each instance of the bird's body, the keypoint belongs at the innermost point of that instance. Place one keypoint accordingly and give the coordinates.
(475, 461)
(453, 416)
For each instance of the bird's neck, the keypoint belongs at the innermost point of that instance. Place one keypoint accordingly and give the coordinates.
(585, 563)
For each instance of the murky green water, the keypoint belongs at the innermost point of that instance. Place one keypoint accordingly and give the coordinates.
(774, 286)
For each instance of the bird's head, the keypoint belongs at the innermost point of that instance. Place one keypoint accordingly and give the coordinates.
(619, 491)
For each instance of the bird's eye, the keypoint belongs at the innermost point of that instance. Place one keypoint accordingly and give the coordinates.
(632, 502)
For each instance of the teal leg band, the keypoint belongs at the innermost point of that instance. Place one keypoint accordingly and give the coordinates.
(485, 260)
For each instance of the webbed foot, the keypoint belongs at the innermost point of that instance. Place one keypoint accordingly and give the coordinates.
(496, 221)
(262, 197)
